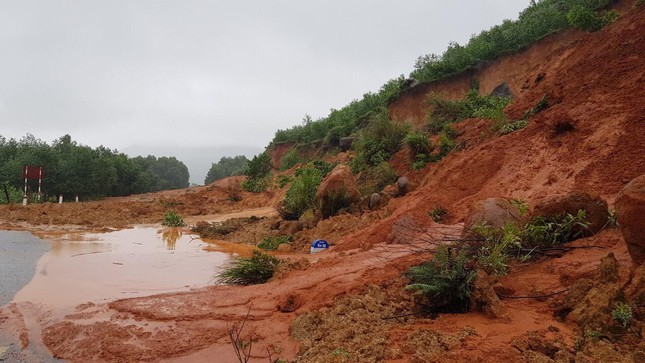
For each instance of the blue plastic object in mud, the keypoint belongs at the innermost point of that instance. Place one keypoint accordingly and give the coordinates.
(319, 245)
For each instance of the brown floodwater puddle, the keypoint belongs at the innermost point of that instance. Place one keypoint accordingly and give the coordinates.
(100, 267)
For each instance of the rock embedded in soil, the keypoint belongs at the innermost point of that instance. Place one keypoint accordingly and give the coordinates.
(596, 209)
(484, 298)
(374, 201)
(402, 185)
(630, 207)
(337, 188)
(494, 212)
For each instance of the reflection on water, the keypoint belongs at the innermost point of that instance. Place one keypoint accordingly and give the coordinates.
(131, 262)
(170, 236)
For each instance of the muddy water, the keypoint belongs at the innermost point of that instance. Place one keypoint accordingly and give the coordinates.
(101, 267)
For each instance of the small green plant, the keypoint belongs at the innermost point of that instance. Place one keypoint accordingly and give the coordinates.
(546, 232)
(492, 109)
(257, 269)
(420, 162)
(172, 219)
(512, 126)
(234, 198)
(497, 247)
(242, 347)
(340, 352)
(444, 112)
(612, 218)
(438, 214)
(593, 334)
(301, 194)
(492, 248)
(622, 313)
(446, 144)
(168, 203)
(378, 142)
(283, 180)
(290, 159)
(610, 17)
(521, 206)
(445, 282)
(418, 143)
(638, 3)
(272, 243)
(375, 178)
(256, 185)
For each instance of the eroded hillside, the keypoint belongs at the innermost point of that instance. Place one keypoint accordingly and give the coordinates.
(349, 304)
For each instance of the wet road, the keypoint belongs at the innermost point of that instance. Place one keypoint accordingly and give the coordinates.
(19, 253)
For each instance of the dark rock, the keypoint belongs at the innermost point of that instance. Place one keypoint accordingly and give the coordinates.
(502, 90)
(402, 185)
(345, 143)
(374, 201)
(290, 304)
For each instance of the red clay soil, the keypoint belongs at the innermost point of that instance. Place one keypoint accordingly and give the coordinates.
(594, 82)
(122, 212)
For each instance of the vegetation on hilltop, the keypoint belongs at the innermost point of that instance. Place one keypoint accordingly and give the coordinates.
(226, 166)
(535, 22)
(73, 169)
(258, 171)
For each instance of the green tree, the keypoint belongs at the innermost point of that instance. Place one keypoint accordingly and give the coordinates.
(225, 167)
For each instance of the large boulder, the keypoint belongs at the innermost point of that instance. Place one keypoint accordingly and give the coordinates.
(337, 190)
(596, 209)
(630, 207)
(494, 212)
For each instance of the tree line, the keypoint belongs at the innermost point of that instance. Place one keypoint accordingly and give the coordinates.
(540, 19)
(73, 169)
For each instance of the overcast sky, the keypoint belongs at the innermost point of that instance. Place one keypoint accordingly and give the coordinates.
(210, 74)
